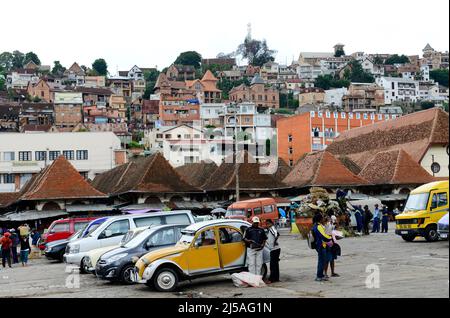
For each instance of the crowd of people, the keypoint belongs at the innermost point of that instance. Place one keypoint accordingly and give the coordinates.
(364, 216)
(15, 244)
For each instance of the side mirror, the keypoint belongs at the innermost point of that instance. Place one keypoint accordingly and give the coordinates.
(45, 231)
(149, 245)
(197, 244)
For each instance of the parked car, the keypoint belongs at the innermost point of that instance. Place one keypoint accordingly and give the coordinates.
(204, 249)
(264, 208)
(117, 264)
(425, 206)
(111, 232)
(56, 249)
(443, 227)
(62, 229)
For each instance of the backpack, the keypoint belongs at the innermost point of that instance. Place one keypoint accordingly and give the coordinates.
(311, 240)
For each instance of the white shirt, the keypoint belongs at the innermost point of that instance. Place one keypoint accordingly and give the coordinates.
(272, 238)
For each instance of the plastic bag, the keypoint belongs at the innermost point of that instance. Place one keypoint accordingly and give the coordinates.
(246, 279)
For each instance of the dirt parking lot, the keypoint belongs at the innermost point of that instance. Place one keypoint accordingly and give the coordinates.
(417, 269)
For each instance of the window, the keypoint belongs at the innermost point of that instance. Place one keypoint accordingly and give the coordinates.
(350, 115)
(53, 155)
(168, 136)
(40, 155)
(159, 136)
(79, 225)
(82, 155)
(291, 163)
(365, 116)
(257, 211)
(289, 138)
(9, 156)
(69, 154)
(290, 150)
(8, 178)
(25, 155)
(335, 115)
(313, 114)
(163, 237)
(116, 228)
(177, 219)
(343, 115)
(320, 114)
(153, 220)
(229, 235)
(268, 209)
(439, 200)
(197, 136)
(60, 227)
(187, 136)
(206, 238)
(358, 116)
(328, 114)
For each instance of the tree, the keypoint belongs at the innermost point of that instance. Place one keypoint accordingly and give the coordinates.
(327, 82)
(189, 58)
(339, 53)
(31, 56)
(440, 76)
(396, 59)
(149, 88)
(427, 105)
(357, 74)
(6, 61)
(100, 67)
(225, 85)
(2, 82)
(18, 59)
(257, 52)
(152, 75)
(58, 69)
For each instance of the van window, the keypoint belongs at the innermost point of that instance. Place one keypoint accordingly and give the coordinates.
(153, 220)
(177, 219)
(116, 228)
(229, 235)
(257, 211)
(60, 227)
(268, 208)
(206, 238)
(79, 225)
(439, 199)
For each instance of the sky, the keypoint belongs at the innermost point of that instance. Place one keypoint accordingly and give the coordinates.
(152, 33)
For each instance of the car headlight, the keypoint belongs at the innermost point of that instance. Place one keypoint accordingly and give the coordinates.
(116, 257)
(74, 249)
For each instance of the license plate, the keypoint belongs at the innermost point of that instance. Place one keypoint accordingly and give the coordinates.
(444, 235)
(404, 232)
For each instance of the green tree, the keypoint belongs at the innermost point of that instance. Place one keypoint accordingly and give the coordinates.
(100, 67)
(257, 52)
(151, 76)
(426, 105)
(215, 68)
(31, 56)
(18, 58)
(357, 73)
(440, 76)
(2, 82)
(149, 88)
(225, 85)
(58, 69)
(396, 59)
(6, 61)
(328, 81)
(189, 58)
(339, 53)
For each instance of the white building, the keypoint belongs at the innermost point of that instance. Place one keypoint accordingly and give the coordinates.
(369, 66)
(331, 65)
(333, 97)
(399, 89)
(20, 79)
(25, 154)
(210, 114)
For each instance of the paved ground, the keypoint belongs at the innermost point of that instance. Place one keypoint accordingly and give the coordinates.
(417, 269)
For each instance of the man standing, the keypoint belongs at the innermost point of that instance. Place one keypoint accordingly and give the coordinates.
(384, 220)
(272, 244)
(15, 242)
(255, 239)
(6, 243)
(367, 217)
(359, 218)
(376, 219)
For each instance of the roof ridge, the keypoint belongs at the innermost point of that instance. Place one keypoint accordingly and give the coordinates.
(316, 174)
(122, 176)
(149, 165)
(39, 180)
(397, 164)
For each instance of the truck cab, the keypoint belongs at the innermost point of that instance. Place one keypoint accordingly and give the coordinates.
(425, 206)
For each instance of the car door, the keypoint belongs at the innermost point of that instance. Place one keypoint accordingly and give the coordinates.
(438, 205)
(232, 250)
(113, 233)
(162, 238)
(203, 254)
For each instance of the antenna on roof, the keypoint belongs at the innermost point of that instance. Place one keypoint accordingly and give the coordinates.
(249, 31)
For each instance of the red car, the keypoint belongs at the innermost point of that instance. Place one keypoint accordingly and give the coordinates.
(62, 229)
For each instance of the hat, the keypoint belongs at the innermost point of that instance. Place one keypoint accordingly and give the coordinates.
(7, 234)
(255, 219)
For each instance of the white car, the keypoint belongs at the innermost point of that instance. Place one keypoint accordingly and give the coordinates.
(111, 232)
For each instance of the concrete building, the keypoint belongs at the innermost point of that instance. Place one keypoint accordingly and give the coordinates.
(257, 92)
(363, 97)
(333, 97)
(68, 109)
(399, 89)
(25, 154)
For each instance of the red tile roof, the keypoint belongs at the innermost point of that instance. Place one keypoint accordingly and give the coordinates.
(197, 173)
(413, 133)
(152, 174)
(60, 180)
(8, 198)
(321, 169)
(395, 167)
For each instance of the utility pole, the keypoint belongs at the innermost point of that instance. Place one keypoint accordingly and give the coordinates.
(236, 163)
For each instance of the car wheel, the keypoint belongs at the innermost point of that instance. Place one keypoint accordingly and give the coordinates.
(408, 237)
(264, 271)
(165, 280)
(61, 256)
(431, 233)
(84, 269)
(125, 276)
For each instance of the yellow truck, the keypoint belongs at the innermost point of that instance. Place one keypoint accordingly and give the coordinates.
(425, 206)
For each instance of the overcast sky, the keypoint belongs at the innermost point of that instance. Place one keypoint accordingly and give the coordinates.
(150, 33)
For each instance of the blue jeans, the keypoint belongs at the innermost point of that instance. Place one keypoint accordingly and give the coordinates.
(384, 224)
(24, 256)
(376, 225)
(321, 261)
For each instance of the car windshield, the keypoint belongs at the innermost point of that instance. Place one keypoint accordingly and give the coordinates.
(235, 212)
(187, 237)
(131, 235)
(75, 235)
(417, 202)
(92, 229)
(137, 239)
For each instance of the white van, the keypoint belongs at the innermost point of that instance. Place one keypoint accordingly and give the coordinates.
(112, 231)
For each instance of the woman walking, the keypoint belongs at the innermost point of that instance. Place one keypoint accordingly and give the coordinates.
(24, 249)
(320, 238)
